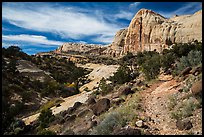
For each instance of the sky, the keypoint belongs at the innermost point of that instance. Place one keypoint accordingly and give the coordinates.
(44, 26)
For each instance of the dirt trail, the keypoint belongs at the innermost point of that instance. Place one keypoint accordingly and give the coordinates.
(96, 75)
(155, 101)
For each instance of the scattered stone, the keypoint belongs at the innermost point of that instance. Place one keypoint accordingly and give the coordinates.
(185, 71)
(117, 101)
(125, 90)
(197, 70)
(184, 124)
(101, 105)
(139, 123)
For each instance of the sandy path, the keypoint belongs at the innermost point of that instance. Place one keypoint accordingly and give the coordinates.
(96, 75)
(155, 100)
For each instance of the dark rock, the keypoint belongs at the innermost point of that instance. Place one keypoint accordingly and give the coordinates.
(127, 131)
(76, 105)
(70, 110)
(197, 70)
(58, 105)
(70, 118)
(101, 105)
(125, 90)
(90, 101)
(19, 124)
(63, 113)
(184, 124)
(83, 113)
(185, 71)
(197, 88)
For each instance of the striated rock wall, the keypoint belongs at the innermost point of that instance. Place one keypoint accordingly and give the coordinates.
(149, 31)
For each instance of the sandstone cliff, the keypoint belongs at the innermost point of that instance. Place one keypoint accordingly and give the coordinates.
(149, 31)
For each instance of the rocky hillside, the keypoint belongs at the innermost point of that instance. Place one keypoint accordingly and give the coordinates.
(80, 48)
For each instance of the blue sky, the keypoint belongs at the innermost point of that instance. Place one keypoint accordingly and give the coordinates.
(44, 26)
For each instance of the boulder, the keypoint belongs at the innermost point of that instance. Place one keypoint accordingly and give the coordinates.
(76, 105)
(184, 124)
(196, 70)
(101, 105)
(196, 88)
(125, 90)
(139, 123)
(90, 101)
(185, 71)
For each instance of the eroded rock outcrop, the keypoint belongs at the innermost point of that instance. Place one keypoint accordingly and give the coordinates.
(149, 31)
(116, 47)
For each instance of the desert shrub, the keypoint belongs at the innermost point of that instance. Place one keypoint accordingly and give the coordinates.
(172, 102)
(151, 67)
(122, 75)
(46, 132)
(167, 60)
(184, 109)
(105, 88)
(194, 58)
(45, 117)
(110, 122)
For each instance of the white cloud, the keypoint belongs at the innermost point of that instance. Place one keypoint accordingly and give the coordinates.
(32, 39)
(134, 5)
(124, 15)
(66, 22)
(104, 39)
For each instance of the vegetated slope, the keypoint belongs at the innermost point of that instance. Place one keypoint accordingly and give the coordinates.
(29, 82)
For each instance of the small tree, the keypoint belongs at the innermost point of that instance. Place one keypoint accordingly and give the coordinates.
(105, 88)
(151, 67)
(45, 118)
(122, 75)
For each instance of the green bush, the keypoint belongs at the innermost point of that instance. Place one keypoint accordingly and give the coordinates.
(111, 121)
(45, 117)
(151, 67)
(122, 75)
(105, 88)
(194, 58)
